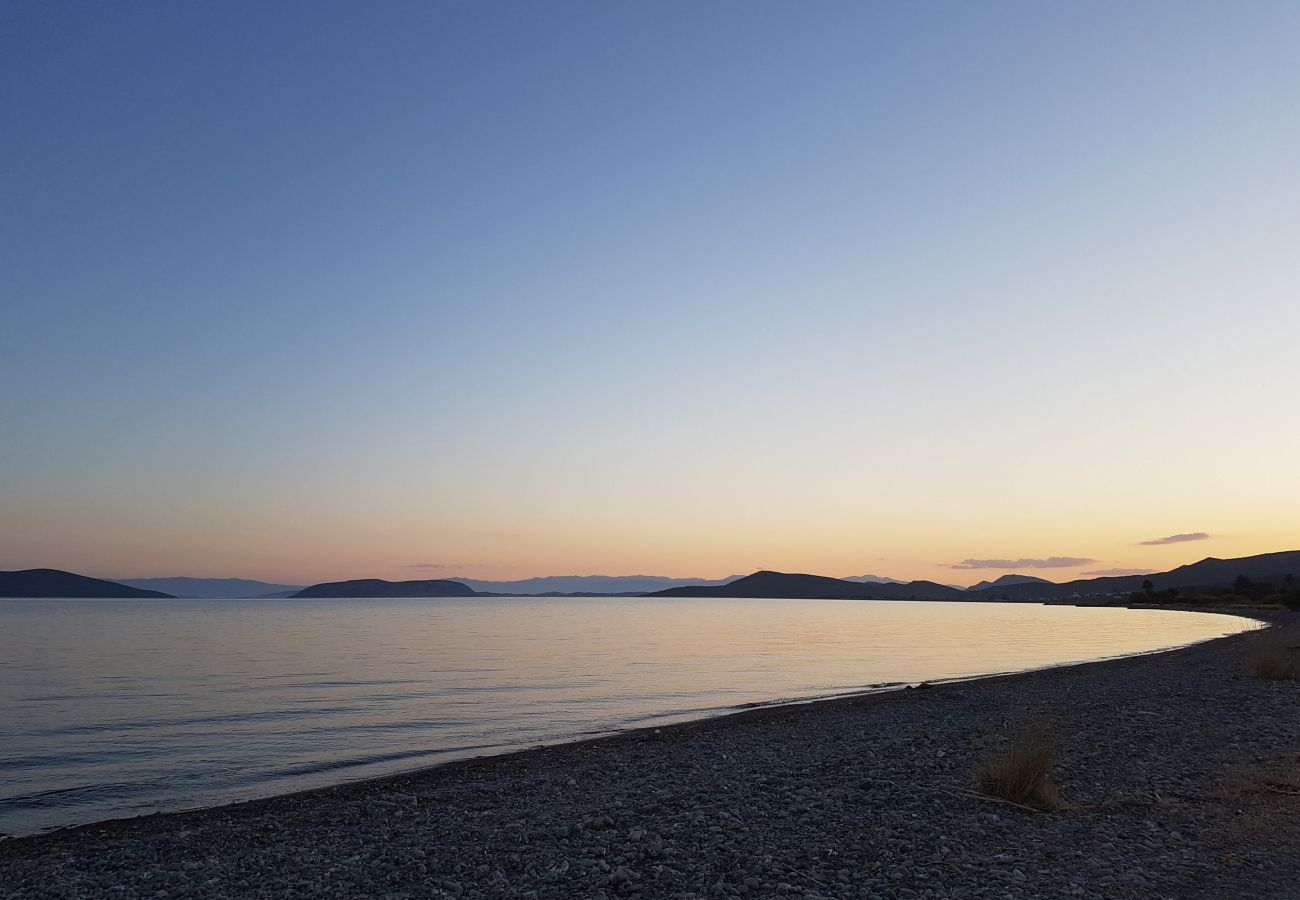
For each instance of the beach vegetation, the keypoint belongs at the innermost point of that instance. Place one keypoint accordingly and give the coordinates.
(1243, 593)
(1262, 798)
(1274, 655)
(1150, 595)
(1022, 772)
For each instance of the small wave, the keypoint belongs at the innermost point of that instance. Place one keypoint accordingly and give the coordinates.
(337, 727)
(334, 765)
(220, 719)
(813, 698)
(66, 758)
(73, 796)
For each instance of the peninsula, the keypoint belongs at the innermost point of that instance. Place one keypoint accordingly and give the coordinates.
(42, 583)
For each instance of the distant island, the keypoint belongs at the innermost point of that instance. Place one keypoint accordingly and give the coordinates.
(792, 586)
(376, 587)
(42, 583)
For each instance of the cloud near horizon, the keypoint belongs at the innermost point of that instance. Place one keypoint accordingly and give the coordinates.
(1050, 562)
(1116, 573)
(456, 567)
(1176, 539)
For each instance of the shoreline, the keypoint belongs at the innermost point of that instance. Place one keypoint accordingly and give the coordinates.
(720, 715)
(729, 804)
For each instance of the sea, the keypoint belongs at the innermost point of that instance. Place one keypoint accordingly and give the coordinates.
(115, 708)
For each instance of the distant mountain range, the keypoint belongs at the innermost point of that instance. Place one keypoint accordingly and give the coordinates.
(1210, 572)
(586, 584)
(376, 587)
(874, 579)
(214, 588)
(57, 583)
(1207, 573)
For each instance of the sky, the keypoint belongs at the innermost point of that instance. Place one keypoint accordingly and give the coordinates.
(313, 291)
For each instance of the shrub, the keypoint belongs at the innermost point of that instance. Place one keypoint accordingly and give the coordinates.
(1022, 772)
(1274, 655)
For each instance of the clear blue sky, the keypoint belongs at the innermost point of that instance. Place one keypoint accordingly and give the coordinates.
(326, 290)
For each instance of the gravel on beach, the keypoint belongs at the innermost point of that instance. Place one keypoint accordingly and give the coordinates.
(1181, 772)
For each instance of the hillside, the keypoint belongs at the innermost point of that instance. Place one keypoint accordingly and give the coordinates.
(57, 583)
(376, 587)
(1209, 572)
(794, 586)
(1007, 580)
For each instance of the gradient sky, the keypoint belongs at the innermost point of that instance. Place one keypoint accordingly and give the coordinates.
(314, 291)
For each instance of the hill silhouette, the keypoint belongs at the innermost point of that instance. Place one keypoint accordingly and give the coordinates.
(376, 587)
(874, 579)
(1209, 572)
(791, 586)
(213, 588)
(1008, 579)
(587, 585)
(57, 583)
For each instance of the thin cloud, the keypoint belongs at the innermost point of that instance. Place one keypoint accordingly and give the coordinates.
(1115, 573)
(456, 566)
(1176, 539)
(1050, 562)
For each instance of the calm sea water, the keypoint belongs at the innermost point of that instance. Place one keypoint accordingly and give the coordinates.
(117, 707)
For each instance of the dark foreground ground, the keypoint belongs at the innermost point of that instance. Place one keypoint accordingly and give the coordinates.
(1181, 769)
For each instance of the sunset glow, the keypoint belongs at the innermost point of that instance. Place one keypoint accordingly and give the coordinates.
(475, 307)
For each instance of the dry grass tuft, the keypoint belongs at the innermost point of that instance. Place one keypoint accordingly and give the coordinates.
(1240, 786)
(1274, 655)
(1022, 773)
(1263, 801)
